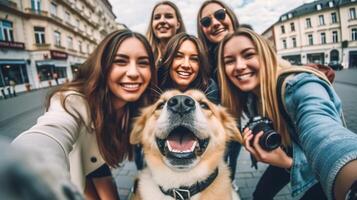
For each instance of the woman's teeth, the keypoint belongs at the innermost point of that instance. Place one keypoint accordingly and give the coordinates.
(184, 74)
(130, 85)
(245, 76)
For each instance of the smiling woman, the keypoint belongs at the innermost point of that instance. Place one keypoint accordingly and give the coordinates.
(185, 66)
(86, 126)
(165, 22)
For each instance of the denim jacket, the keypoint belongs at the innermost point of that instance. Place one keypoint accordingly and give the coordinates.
(321, 144)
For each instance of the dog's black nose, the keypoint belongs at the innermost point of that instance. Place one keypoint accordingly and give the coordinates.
(181, 104)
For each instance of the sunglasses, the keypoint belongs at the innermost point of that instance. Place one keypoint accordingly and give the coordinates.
(219, 15)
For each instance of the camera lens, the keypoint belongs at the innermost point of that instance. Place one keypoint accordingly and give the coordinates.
(271, 141)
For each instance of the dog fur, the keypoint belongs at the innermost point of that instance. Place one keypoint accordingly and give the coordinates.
(207, 121)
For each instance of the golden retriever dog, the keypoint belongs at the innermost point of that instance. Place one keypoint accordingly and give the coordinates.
(184, 137)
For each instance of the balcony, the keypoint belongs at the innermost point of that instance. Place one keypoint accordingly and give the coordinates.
(56, 18)
(59, 46)
(36, 12)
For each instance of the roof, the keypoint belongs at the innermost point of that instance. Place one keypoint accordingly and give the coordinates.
(312, 7)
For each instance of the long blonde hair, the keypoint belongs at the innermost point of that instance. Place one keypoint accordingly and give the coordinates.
(235, 100)
(153, 40)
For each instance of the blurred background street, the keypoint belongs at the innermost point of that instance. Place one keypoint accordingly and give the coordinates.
(20, 113)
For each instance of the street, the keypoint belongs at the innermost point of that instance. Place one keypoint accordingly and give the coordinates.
(246, 178)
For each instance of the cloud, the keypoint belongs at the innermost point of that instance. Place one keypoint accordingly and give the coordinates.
(261, 14)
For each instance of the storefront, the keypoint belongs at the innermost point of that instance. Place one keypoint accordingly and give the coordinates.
(352, 59)
(316, 58)
(13, 70)
(293, 59)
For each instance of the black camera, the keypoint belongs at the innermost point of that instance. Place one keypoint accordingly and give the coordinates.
(270, 139)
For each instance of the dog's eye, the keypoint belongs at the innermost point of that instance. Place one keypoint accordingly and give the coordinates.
(204, 105)
(160, 105)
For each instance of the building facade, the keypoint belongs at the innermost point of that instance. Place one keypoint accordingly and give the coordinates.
(323, 31)
(42, 42)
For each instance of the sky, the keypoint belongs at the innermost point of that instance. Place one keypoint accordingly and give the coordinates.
(260, 14)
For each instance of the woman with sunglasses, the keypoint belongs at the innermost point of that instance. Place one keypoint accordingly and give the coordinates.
(214, 21)
(165, 22)
(185, 66)
(86, 126)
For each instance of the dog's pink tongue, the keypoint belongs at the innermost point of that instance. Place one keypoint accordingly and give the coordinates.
(181, 142)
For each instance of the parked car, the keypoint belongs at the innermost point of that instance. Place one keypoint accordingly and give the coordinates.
(335, 65)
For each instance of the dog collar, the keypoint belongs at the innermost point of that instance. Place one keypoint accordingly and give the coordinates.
(185, 193)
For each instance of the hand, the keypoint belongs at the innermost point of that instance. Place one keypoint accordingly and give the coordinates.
(276, 157)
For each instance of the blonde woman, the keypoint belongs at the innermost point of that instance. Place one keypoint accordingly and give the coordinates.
(323, 151)
(165, 22)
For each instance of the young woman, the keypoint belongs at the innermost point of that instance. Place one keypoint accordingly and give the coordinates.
(247, 73)
(214, 21)
(185, 66)
(165, 22)
(86, 126)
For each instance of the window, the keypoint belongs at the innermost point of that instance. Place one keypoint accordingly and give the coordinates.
(292, 26)
(310, 39)
(57, 38)
(16, 72)
(53, 8)
(318, 7)
(6, 31)
(330, 4)
(80, 46)
(352, 13)
(334, 37)
(333, 18)
(354, 34)
(308, 23)
(36, 5)
(284, 44)
(68, 16)
(294, 42)
(323, 38)
(290, 15)
(39, 35)
(321, 20)
(88, 49)
(77, 23)
(69, 42)
(282, 29)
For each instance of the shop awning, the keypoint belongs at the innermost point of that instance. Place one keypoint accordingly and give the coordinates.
(12, 62)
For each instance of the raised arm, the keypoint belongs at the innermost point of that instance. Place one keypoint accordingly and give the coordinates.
(328, 146)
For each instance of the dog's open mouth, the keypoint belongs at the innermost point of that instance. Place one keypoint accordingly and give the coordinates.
(182, 144)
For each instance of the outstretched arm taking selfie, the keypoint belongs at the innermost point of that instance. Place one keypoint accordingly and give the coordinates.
(328, 146)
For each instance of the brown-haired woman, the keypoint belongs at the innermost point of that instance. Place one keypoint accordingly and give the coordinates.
(86, 125)
(165, 22)
(185, 66)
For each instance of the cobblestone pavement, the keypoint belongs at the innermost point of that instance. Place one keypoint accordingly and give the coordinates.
(246, 177)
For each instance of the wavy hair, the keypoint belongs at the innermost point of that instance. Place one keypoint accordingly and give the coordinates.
(111, 129)
(235, 100)
(173, 46)
(153, 40)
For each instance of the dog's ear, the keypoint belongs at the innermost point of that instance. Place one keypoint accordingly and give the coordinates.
(230, 126)
(138, 127)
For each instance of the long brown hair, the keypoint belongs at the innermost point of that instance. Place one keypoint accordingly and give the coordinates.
(112, 131)
(235, 100)
(173, 46)
(153, 40)
(209, 46)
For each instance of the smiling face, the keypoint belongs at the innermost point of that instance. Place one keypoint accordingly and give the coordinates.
(182, 130)
(216, 31)
(241, 63)
(185, 65)
(164, 23)
(130, 72)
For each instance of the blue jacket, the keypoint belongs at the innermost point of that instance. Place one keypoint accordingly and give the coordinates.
(321, 145)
